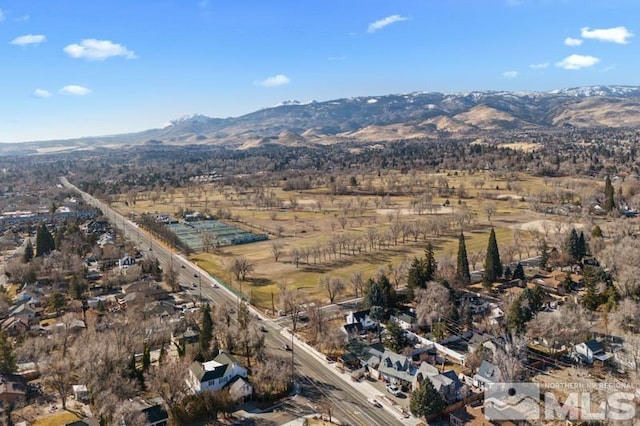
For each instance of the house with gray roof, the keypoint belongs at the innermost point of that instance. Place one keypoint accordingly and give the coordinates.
(216, 374)
(487, 374)
(590, 351)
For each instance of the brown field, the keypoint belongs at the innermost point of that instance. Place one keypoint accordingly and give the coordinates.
(318, 217)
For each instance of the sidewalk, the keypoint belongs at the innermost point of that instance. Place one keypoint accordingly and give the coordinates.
(363, 387)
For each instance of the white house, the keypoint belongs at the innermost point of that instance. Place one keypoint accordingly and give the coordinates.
(487, 374)
(406, 320)
(218, 373)
(362, 318)
(126, 261)
(590, 351)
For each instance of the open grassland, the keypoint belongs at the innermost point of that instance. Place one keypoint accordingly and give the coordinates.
(310, 221)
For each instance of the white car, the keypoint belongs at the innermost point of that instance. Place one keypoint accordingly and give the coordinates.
(393, 390)
(374, 402)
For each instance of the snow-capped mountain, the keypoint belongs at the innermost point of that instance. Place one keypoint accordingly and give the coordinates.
(402, 116)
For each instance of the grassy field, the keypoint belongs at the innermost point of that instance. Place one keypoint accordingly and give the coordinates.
(319, 217)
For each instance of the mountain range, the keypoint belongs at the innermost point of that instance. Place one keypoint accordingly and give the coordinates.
(420, 115)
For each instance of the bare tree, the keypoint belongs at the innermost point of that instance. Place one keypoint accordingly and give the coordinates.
(490, 209)
(169, 382)
(276, 250)
(334, 286)
(240, 267)
(627, 316)
(509, 357)
(357, 282)
(59, 376)
(432, 303)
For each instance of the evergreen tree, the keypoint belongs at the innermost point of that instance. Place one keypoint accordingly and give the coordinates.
(518, 316)
(518, 273)
(492, 264)
(7, 356)
(431, 266)
(426, 400)
(206, 331)
(44, 241)
(146, 357)
(535, 298)
(592, 276)
(373, 294)
(567, 283)
(388, 292)
(582, 246)
(544, 254)
(571, 245)
(596, 232)
(462, 265)
(132, 371)
(28, 252)
(415, 276)
(609, 202)
(394, 337)
(75, 288)
(163, 354)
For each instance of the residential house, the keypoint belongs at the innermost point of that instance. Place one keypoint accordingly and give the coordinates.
(126, 261)
(14, 326)
(396, 369)
(240, 388)
(406, 320)
(13, 389)
(468, 415)
(25, 312)
(154, 411)
(447, 383)
(216, 374)
(80, 392)
(487, 374)
(362, 318)
(187, 340)
(156, 415)
(590, 351)
(496, 315)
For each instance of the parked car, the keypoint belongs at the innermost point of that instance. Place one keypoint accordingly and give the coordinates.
(263, 329)
(393, 390)
(286, 347)
(214, 285)
(374, 402)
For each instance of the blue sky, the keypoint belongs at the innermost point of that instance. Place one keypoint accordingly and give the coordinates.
(74, 68)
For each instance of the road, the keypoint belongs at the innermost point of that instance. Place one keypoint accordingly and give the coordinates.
(314, 376)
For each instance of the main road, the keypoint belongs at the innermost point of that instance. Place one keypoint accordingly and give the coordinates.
(347, 404)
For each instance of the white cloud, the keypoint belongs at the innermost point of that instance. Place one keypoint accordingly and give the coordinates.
(276, 80)
(614, 35)
(28, 39)
(510, 74)
(539, 66)
(576, 62)
(41, 93)
(98, 50)
(569, 41)
(75, 90)
(381, 23)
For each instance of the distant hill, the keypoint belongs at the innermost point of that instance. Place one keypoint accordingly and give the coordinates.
(382, 118)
